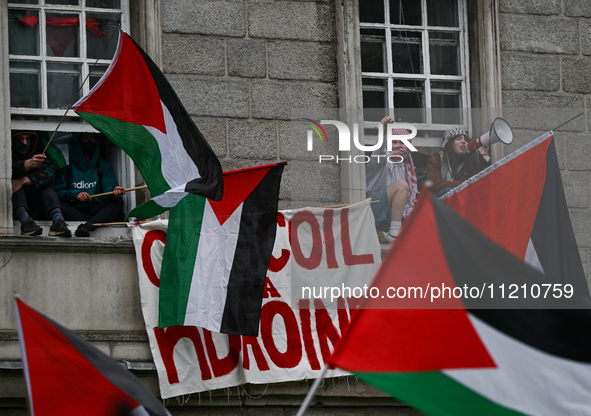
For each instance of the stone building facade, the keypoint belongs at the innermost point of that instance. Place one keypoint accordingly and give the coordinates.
(240, 67)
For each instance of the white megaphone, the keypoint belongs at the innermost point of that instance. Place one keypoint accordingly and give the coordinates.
(500, 131)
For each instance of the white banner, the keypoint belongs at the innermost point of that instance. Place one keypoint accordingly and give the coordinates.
(330, 248)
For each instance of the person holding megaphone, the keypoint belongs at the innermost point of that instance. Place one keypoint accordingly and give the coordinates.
(454, 163)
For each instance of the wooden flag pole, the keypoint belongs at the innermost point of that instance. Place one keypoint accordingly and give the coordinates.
(312, 392)
(126, 190)
(102, 224)
(346, 205)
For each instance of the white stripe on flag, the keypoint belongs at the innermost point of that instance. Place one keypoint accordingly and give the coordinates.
(177, 166)
(171, 197)
(531, 257)
(526, 379)
(215, 256)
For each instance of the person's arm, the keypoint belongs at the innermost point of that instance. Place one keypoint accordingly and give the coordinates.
(109, 181)
(434, 175)
(40, 171)
(60, 184)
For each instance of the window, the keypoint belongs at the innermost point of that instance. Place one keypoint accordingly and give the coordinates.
(58, 50)
(414, 65)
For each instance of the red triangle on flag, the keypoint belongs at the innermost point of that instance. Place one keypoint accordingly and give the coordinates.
(128, 91)
(408, 334)
(238, 185)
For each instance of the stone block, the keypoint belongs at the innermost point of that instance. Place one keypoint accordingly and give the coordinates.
(311, 181)
(206, 17)
(576, 189)
(247, 58)
(293, 141)
(233, 164)
(542, 7)
(584, 253)
(577, 8)
(296, 21)
(543, 111)
(183, 54)
(214, 131)
(131, 351)
(252, 139)
(9, 350)
(577, 151)
(276, 99)
(302, 61)
(581, 221)
(530, 72)
(539, 34)
(576, 75)
(212, 97)
(585, 37)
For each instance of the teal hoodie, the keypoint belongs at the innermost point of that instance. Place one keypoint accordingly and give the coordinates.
(78, 177)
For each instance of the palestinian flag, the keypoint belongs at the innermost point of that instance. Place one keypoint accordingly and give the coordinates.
(462, 359)
(136, 108)
(216, 254)
(66, 375)
(519, 203)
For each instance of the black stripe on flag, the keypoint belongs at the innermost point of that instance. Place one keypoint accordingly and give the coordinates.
(211, 184)
(474, 260)
(553, 236)
(258, 227)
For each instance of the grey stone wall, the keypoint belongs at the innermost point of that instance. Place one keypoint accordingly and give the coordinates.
(546, 80)
(240, 67)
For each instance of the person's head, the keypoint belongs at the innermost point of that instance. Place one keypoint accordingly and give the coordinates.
(398, 147)
(88, 143)
(455, 141)
(22, 142)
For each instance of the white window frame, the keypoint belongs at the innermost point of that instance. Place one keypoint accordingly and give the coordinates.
(123, 166)
(427, 77)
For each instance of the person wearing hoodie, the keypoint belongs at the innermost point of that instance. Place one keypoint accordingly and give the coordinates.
(32, 176)
(87, 175)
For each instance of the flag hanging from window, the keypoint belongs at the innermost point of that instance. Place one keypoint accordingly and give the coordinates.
(217, 253)
(66, 375)
(136, 108)
(456, 357)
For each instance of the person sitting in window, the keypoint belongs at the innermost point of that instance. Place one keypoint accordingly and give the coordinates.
(391, 179)
(87, 175)
(453, 164)
(32, 176)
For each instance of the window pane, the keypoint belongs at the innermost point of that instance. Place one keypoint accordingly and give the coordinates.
(374, 97)
(100, 29)
(405, 12)
(62, 35)
(96, 74)
(24, 84)
(446, 100)
(69, 2)
(23, 32)
(371, 11)
(24, 1)
(409, 101)
(373, 49)
(63, 83)
(445, 53)
(407, 52)
(443, 13)
(104, 4)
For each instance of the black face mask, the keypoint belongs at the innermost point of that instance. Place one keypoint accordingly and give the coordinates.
(88, 148)
(20, 148)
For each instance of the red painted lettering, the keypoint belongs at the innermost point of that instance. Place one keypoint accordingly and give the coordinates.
(149, 239)
(276, 264)
(325, 329)
(331, 258)
(305, 319)
(270, 291)
(293, 354)
(222, 366)
(350, 258)
(167, 338)
(257, 352)
(342, 314)
(315, 258)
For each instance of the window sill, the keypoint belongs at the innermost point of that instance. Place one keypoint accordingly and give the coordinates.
(118, 245)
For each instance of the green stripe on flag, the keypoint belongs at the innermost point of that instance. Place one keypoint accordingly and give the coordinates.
(178, 260)
(55, 154)
(138, 143)
(435, 394)
(147, 210)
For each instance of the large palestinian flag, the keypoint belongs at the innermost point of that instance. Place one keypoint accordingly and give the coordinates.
(134, 105)
(66, 375)
(216, 254)
(519, 203)
(463, 359)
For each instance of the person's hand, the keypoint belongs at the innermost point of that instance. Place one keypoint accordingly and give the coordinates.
(18, 183)
(484, 151)
(385, 122)
(83, 197)
(118, 191)
(34, 162)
